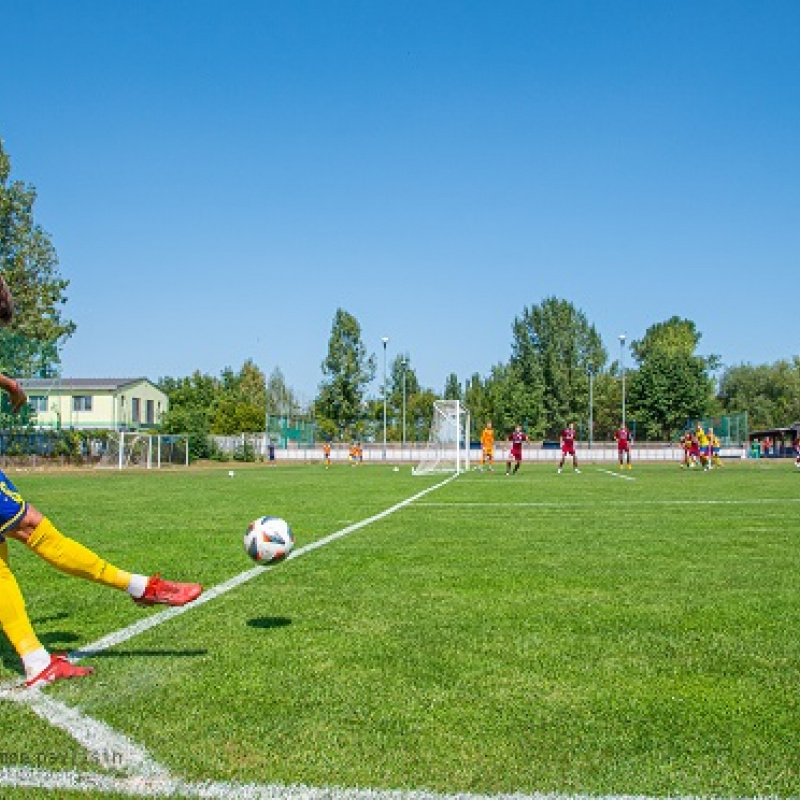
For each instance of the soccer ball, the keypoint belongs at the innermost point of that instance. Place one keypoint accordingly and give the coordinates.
(268, 540)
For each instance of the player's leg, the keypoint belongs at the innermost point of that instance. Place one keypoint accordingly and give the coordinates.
(575, 462)
(68, 556)
(41, 667)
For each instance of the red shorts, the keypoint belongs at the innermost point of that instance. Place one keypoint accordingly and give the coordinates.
(516, 453)
(623, 446)
(568, 449)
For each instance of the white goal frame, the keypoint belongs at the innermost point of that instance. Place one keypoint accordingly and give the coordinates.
(447, 450)
(132, 449)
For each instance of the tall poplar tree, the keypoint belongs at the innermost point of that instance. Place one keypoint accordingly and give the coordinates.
(347, 372)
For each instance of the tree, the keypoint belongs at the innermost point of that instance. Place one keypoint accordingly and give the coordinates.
(240, 405)
(672, 384)
(280, 399)
(769, 393)
(554, 347)
(348, 371)
(402, 387)
(452, 387)
(476, 399)
(29, 264)
(191, 403)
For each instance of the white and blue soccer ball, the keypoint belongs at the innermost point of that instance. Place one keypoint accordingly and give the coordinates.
(268, 540)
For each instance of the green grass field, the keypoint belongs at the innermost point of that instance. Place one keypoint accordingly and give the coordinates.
(601, 633)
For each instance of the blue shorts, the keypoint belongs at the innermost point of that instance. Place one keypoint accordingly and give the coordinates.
(12, 506)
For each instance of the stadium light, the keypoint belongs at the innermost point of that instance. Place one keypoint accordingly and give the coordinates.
(405, 365)
(591, 406)
(385, 341)
(622, 367)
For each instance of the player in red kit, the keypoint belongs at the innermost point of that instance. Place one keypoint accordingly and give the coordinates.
(517, 438)
(623, 438)
(568, 447)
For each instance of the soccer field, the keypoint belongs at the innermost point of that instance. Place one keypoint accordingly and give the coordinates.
(607, 633)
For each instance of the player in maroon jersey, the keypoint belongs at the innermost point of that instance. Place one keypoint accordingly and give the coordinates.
(516, 438)
(622, 436)
(694, 450)
(568, 447)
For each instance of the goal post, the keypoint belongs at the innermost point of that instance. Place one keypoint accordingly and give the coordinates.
(447, 449)
(127, 449)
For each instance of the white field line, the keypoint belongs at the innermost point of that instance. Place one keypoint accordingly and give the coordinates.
(617, 475)
(593, 504)
(115, 751)
(103, 744)
(142, 787)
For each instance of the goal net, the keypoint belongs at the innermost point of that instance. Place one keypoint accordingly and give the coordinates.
(448, 445)
(126, 449)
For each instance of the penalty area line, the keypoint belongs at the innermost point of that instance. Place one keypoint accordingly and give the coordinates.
(616, 474)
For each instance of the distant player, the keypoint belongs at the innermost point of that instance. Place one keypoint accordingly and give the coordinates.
(622, 436)
(686, 444)
(694, 450)
(704, 447)
(567, 440)
(352, 454)
(516, 438)
(326, 454)
(797, 452)
(487, 447)
(715, 446)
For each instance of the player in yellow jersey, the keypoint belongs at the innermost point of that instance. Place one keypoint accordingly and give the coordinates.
(487, 446)
(714, 446)
(703, 443)
(21, 521)
(326, 454)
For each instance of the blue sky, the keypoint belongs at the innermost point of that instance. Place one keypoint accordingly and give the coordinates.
(219, 177)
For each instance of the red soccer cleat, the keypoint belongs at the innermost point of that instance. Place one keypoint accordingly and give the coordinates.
(58, 669)
(170, 593)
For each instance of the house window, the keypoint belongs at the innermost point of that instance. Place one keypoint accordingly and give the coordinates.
(82, 402)
(38, 403)
(150, 413)
(136, 409)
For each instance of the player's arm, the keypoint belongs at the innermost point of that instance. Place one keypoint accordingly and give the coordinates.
(14, 391)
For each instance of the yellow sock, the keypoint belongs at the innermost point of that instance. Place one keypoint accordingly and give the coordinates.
(13, 616)
(69, 556)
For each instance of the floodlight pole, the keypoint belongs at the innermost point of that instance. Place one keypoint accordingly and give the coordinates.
(405, 364)
(591, 406)
(622, 367)
(385, 341)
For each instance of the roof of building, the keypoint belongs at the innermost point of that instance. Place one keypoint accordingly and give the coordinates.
(82, 384)
(789, 429)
